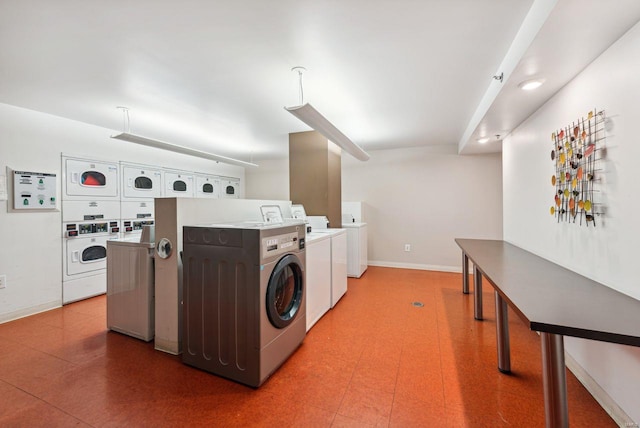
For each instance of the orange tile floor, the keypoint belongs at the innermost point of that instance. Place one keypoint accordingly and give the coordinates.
(374, 360)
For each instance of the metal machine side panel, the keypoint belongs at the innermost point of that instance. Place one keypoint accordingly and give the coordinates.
(130, 306)
(220, 313)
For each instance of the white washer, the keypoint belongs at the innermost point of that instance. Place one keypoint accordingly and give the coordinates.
(318, 291)
(357, 259)
(338, 262)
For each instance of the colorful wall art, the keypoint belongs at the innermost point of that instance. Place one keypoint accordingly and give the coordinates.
(577, 155)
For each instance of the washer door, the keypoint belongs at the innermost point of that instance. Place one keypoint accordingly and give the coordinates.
(284, 291)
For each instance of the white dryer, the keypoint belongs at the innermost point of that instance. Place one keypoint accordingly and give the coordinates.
(207, 186)
(178, 184)
(230, 187)
(89, 179)
(141, 182)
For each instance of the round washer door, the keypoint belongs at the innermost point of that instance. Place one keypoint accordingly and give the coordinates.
(284, 291)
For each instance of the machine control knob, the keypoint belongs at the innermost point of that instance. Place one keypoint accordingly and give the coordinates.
(164, 248)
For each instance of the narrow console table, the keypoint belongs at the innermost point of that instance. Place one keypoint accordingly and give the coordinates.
(552, 300)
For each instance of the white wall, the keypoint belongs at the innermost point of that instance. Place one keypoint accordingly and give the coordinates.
(269, 181)
(31, 250)
(609, 252)
(425, 197)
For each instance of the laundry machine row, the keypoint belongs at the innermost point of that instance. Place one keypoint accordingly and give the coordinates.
(244, 310)
(103, 200)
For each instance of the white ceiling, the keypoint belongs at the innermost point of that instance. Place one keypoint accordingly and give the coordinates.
(215, 75)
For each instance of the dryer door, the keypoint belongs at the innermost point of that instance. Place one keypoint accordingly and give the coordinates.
(285, 291)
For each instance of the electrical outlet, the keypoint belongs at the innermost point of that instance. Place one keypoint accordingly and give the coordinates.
(3, 281)
(407, 247)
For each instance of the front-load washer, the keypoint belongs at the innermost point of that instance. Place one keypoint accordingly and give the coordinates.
(244, 310)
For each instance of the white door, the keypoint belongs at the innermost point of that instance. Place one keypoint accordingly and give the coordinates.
(86, 254)
(207, 186)
(141, 182)
(178, 184)
(90, 179)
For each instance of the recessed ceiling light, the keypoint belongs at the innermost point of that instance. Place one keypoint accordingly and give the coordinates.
(529, 85)
(482, 140)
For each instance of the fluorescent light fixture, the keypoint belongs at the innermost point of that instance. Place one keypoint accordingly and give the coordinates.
(482, 140)
(529, 85)
(132, 138)
(315, 120)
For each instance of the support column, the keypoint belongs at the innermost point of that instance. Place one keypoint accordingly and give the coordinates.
(465, 273)
(556, 410)
(502, 334)
(477, 293)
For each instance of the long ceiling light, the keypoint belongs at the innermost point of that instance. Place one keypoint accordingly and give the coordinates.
(312, 117)
(138, 139)
(133, 138)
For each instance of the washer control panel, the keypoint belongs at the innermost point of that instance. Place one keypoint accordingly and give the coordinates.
(83, 229)
(280, 244)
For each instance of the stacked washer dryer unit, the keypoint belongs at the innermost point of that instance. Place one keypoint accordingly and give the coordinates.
(90, 216)
(140, 185)
(244, 307)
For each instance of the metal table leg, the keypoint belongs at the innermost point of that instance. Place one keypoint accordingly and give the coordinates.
(502, 334)
(465, 273)
(556, 410)
(477, 293)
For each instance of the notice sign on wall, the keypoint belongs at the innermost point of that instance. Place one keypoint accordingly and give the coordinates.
(34, 191)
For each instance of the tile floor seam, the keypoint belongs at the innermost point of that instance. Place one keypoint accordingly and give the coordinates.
(440, 353)
(42, 400)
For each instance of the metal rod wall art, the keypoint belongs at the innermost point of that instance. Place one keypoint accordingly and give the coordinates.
(577, 154)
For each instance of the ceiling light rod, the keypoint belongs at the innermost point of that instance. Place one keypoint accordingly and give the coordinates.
(312, 117)
(300, 69)
(138, 139)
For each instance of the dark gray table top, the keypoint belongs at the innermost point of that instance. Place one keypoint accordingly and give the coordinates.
(553, 299)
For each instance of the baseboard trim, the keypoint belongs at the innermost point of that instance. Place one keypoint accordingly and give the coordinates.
(31, 310)
(416, 266)
(601, 396)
